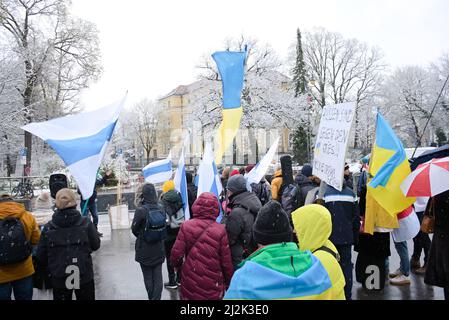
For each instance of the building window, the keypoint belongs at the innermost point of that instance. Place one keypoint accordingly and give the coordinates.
(155, 153)
(168, 103)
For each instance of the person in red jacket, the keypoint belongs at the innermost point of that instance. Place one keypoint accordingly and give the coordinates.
(203, 245)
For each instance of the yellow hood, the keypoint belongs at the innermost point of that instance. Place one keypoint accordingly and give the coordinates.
(313, 226)
(11, 210)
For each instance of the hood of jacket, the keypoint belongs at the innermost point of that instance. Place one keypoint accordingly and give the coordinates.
(206, 207)
(149, 194)
(11, 209)
(303, 181)
(313, 226)
(66, 218)
(245, 199)
(171, 196)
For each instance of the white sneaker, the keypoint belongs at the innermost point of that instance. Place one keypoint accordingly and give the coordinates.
(400, 280)
(395, 274)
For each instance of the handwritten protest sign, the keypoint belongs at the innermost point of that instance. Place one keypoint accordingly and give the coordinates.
(332, 143)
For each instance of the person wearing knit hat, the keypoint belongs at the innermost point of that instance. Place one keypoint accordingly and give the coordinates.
(278, 269)
(168, 185)
(249, 168)
(76, 237)
(244, 206)
(65, 198)
(307, 170)
(272, 225)
(234, 173)
(172, 204)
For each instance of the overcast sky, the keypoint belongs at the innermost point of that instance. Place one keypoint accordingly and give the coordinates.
(150, 47)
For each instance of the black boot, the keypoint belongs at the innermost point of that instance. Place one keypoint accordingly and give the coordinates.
(171, 284)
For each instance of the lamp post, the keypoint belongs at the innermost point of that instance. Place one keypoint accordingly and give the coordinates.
(310, 84)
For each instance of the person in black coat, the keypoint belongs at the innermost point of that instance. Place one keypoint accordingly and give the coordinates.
(150, 256)
(66, 244)
(437, 271)
(244, 207)
(192, 191)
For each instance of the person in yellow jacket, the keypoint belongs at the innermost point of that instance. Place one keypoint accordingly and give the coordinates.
(276, 185)
(313, 227)
(17, 277)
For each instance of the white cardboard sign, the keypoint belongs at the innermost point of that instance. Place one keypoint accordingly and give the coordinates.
(332, 143)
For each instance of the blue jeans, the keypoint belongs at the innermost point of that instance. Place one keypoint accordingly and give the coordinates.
(92, 207)
(401, 248)
(22, 288)
(345, 252)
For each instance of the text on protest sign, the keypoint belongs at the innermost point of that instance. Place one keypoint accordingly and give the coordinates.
(332, 143)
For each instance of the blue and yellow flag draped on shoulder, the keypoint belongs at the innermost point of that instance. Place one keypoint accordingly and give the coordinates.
(231, 67)
(280, 271)
(388, 168)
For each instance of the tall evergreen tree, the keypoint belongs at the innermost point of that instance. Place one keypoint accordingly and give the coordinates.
(300, 145)
(299, 71)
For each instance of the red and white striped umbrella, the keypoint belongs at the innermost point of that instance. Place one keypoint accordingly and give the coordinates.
(428, 179)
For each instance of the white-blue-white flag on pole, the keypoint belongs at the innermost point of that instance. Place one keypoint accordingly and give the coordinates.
(209, 179)
(180, 181)
(260, 169)
(158, 171)
(81, 141)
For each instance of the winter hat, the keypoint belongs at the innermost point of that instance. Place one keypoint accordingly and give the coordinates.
(272, 225)
(189, 177)
(234, 172)
(249, 167)
(149, 193)
(65, 198)
(236, 184)
(168, 185)
(307, 170)
(4, 197)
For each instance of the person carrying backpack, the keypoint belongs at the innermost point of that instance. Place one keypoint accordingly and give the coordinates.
(261, 189)
(149, 227)
(244, 207)
(171, 201)
(305, 184)
(202, 250)
(16, 267)
(65, 248)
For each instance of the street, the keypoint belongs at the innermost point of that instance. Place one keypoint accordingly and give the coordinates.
(119, 277)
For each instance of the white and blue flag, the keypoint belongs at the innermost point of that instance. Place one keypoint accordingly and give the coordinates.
(158, 171)
(260, 169)
(81, 141)
(209, 179)
(180, 181)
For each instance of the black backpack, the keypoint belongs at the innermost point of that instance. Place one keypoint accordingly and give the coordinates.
(14, 247)
(155, 225)
(261, 191)
(68, 247)
(290, 197)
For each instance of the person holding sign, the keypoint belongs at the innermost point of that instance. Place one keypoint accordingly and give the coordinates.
(345, 227)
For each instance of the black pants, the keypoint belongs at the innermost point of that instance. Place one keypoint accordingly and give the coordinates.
(152, 276)
(446, 293)
(345, 252)
(168, 244)
(421, 242)
(85, 292)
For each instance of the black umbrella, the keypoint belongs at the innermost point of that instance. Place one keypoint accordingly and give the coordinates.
(440, 152)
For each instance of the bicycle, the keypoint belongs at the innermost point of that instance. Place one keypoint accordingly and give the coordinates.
(23, 190)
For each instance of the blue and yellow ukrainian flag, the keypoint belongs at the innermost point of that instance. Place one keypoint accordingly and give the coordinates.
(257, 281)
(231, 67)
(388, 167)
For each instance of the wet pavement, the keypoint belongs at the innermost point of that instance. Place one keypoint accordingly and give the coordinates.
(119, 277)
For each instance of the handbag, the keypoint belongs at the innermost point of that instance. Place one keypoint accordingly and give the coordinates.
(428, 221)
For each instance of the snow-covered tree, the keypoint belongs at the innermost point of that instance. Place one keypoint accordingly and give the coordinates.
(55, 56)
